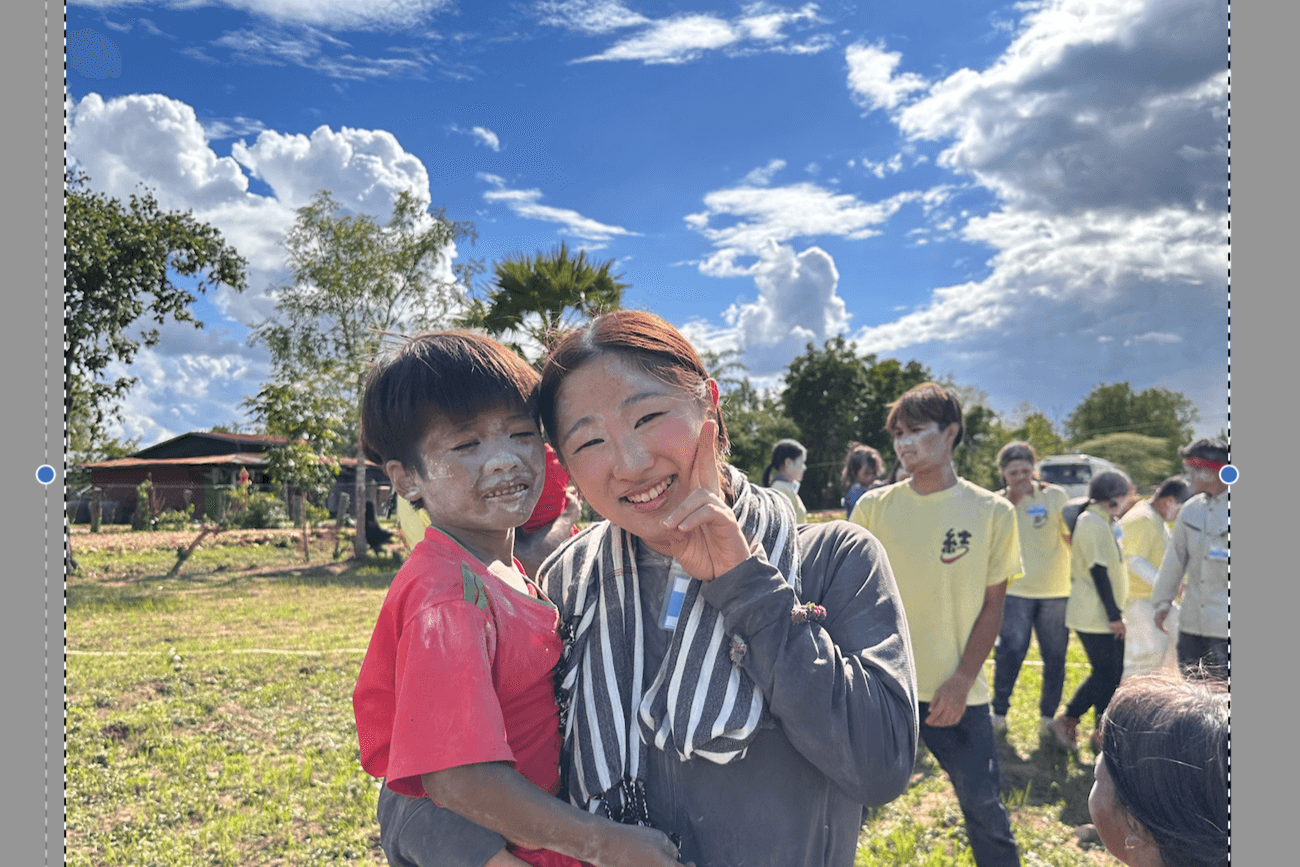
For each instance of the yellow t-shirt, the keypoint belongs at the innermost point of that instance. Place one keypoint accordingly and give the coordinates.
(1043, 546)
(945, 549)
(412, 521)
(1094, 542)
(1145, 536)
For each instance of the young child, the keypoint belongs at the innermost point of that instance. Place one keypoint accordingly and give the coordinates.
(455, 700)
(862, 465)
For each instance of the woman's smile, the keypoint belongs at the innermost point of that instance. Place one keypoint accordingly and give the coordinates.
(650, 497)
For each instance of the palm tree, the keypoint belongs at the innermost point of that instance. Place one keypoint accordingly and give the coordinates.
(533, 299)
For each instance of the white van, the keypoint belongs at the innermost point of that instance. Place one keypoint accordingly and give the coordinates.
(1072, 472)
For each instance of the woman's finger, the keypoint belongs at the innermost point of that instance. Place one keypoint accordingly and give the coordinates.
(704, 473)
(704, 512)
(694, 500)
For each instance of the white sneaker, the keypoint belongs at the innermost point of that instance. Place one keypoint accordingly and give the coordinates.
(1045, 725)
(999, 723)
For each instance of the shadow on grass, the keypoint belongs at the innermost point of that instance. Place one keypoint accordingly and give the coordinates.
(374, 573)
(1048, 776)
(105, 598)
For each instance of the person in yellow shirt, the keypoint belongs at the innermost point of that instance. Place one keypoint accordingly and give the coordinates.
(953, 547)
(1098, 594)
(1037, 601)
(1145, 536)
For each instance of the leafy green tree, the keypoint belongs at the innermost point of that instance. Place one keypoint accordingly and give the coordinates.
(1038, 430)
(1116, 408)
(825, 391)
(311, 420)
(755, 421)
(533, 299)
(354, 281)
(726, 368)
(976, 458)
(890, 380)
(836, 396)
(1144, 458)
(122, 264)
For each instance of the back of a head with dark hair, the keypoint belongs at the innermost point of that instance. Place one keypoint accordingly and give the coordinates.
(783, 451)
(639, 337)
(1206, 448)
(1110, 485)
(1165, 744)
(1016, 450)
(927, 402)
(1175, 487)
(450, 374)
(861, 456)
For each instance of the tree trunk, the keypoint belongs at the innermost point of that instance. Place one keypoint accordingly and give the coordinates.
(338, 521)
(183, 554)
(359, 497)
(302, 517)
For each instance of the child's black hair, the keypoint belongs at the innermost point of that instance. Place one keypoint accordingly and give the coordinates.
(453, 374)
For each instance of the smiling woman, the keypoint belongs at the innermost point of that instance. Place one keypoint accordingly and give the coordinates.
(716, 653)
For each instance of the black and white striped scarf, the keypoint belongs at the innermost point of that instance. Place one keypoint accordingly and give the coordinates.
(698, 702)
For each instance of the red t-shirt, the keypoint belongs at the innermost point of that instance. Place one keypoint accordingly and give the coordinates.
(458, 672)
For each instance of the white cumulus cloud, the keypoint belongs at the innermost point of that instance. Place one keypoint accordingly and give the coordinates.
(871, 77)
(1094, 104)
(741, 220)
(797, 304)
(130, 143)
(1102, 133)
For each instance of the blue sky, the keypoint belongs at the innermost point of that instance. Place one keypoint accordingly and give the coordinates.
(1030, 198)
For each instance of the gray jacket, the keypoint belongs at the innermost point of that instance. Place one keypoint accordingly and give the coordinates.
(1198, 552)
(842, 694)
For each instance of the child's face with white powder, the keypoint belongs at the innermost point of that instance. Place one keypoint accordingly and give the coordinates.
(482, 475)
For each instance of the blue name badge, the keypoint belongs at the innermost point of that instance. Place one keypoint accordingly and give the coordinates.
(674, 597)
(1218, 552)
(1119, 533)
(1037, 510)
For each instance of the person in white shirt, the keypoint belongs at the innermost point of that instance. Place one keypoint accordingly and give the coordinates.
(1197, 557)
(1144, 539)
(785, 472)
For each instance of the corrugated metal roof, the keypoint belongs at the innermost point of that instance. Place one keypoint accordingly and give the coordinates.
(239, 459)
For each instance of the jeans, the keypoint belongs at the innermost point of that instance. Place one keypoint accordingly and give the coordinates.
(1106, 654)
(1046, 618)
(968, 752)
(1213, 653)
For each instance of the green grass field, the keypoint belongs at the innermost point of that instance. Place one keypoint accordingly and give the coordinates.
(209, 718)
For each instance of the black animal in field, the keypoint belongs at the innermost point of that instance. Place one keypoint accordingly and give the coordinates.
(376, 536)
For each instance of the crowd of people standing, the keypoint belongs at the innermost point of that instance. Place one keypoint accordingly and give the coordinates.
(1026, 562)
(538, 694)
